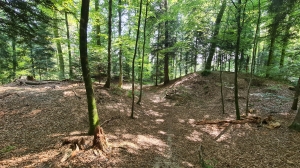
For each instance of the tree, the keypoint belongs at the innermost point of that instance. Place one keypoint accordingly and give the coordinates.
(143, 55)
(238, 7)
(167, 42)
(296, 123)
(120, 46)
(92, 108)
(134, 56)
(69, 46)
(59, 48)
(107, 83)
(214, 37)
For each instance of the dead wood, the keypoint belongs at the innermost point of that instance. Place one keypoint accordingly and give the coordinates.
(100, 141)
(76, 95)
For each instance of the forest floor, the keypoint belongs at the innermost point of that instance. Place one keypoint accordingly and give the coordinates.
(35, 120)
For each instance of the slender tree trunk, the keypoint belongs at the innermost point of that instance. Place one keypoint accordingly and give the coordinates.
(285, 41)
(69, 46)
(255, 42)
(134, 56)
(157, 54)
(237, 51)
(143, 55)
(221, 81)
(296, 96)
(296, 123)
(59, 49)
(120, 46)
(213, 45)
(98, 29)
(14, 55)
(166, 58)
(107, 83)
(92, 108)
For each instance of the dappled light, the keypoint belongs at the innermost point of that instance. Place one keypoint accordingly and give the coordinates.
(162, 134)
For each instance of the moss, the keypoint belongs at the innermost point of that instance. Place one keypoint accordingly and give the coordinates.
(295, 126)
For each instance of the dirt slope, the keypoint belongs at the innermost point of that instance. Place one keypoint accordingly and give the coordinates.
(35, 119)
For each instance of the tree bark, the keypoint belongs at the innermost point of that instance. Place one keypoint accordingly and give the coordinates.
(237, 51)
(120, 46)
(107, 83)
(14, 55)
(255, 42)
(166, 58)
(98, 39)
(143, 55)
(296, 123)
(92, 108)
(59, 49)
(69, 47)
(296, 96)
(213, 45)
(134, 56)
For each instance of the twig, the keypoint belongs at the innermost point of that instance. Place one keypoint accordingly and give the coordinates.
(107, 121)
(76, 94)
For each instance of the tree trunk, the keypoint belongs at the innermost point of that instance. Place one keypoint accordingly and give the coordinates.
(166, 58)
(134, 56)
(59, 49)
(98, 40)
(296, 96)
(120, 46)
(296, 123)
(237, 51)
(69, 46)
(92, 108)
(255, 42)
(14, 55)
(143, 55)
(213, 45)
(107, 83)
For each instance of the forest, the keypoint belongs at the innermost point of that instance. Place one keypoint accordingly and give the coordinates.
(149, 83)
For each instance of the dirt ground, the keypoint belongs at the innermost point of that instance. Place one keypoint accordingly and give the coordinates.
(34, 120)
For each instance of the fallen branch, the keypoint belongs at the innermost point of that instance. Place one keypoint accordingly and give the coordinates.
(76, 94)
(107, 121)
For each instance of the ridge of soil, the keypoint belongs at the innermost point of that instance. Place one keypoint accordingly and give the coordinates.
(35, 119)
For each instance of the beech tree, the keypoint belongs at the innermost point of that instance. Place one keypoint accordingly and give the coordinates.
(92, 107)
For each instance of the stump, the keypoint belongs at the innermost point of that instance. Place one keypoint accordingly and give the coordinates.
(100, 141)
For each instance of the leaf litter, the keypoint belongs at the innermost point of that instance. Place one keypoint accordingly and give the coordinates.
(35, 120)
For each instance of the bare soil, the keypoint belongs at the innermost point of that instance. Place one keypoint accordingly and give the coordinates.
(35, 119)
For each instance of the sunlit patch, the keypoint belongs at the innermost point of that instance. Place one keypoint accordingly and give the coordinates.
(162, 132)
(206, 116)
(156, 99)
(212, 130)
(154, 113)
(223, 137)
(159, 121)
(191, 121)
(68, 93)
(33, 113)
(128, 136)
(181, 120)
(56, 135)
(31, 160)
(76, 133)
(194, 136)
(187, 164)
(149, 141)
